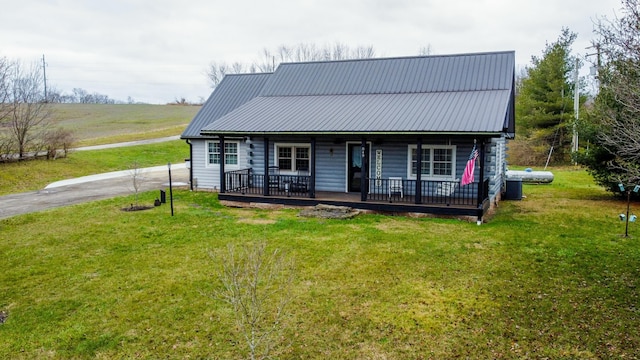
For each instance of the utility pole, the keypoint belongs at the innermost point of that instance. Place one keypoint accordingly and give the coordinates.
(576, 108)
(44, 71)
(595, 71)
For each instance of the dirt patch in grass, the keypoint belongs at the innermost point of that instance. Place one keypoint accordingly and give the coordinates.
(257, 221)
(137, 208)
(393, 225)
(330, 212)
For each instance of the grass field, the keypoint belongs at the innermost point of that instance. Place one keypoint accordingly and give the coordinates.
(547, 277)
(94, 124)
(35, 175)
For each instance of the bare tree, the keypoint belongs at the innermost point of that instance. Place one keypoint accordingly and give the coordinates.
(57, 142)
(29, 114)
(54, 95)
(426, 50)
(257, 284)
(137, 180)
(364, 52)
(217, 71)
(616, 113)
(26, 121)
(5, 86)
(7, 144)
(6, 141)
(269, 60)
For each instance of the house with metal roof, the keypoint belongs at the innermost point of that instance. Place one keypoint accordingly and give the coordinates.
(422, 134)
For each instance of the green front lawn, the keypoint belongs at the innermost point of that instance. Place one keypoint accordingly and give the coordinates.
(35, 175)
(548, 277)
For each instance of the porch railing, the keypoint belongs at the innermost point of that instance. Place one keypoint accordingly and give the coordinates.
(246, 182)
(393, 190)
(432, 192)
(243, 181)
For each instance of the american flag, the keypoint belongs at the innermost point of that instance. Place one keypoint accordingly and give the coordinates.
(467, 177)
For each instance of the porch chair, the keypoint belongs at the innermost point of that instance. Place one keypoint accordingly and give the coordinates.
(446, 188)
(274, 177)
(301, 182)
(395, 186)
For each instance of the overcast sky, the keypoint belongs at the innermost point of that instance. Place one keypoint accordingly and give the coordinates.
(157, 51)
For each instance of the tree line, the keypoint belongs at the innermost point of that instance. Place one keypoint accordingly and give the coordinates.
(81, 96)
(268, 60)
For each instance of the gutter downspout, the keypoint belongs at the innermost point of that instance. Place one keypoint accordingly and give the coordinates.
(223, 185)
(312, 179)
(191, 161)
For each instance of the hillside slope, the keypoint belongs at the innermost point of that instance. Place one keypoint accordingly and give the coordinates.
(98, 123)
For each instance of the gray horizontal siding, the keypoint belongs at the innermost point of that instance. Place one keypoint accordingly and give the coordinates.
(330, 166)
(208, 176)
(256, 155)
(203, 176)
(394, 159)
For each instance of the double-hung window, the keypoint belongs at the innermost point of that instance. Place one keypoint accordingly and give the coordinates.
(230, 153)
(438, 161)
(293, 157)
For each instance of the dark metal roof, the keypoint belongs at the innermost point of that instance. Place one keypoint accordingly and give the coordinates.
(451, 112)
(469, 93)
(233, 91)
(488, 71)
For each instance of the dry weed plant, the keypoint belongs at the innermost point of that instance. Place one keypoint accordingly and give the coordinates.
(257, 284)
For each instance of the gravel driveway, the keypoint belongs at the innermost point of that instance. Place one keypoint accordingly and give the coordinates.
(89, 188)
(93, 187)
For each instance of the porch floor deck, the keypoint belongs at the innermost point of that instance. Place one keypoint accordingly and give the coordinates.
(405, 204)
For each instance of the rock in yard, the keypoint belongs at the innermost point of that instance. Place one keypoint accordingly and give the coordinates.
(330, 212)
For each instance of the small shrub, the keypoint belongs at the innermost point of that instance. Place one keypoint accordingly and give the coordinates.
(257, 285)
(57, 142)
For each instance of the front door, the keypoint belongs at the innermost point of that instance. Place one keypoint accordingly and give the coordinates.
(355, 175)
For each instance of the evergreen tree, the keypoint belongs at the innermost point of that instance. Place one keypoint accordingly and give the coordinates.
(544, 104)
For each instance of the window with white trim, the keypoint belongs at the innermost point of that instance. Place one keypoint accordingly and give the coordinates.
(230, 152)
(438, 161)
(292, 157)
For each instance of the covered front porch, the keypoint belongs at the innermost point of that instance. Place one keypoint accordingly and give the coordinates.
(378, 194)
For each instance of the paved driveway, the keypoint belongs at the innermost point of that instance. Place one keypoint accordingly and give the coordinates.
(89, 188)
